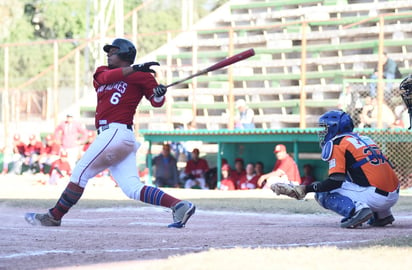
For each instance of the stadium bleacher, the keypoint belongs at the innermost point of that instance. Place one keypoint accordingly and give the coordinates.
(341, 43)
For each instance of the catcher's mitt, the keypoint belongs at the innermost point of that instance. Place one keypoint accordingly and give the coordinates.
(297, 192)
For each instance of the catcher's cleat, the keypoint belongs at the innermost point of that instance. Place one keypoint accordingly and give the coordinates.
(182, 211)
(41, 219)
(374, 221)
(357, 219)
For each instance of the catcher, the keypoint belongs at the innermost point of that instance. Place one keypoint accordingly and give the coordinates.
(361, 185)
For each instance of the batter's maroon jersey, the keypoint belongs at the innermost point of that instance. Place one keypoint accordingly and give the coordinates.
(119, 95)
(197, 168)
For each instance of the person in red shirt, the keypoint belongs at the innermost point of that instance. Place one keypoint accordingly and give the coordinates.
(227, 182)
(60, 170)
(71, 134)
(15, 161)
(259, 170)
(238, 172)
(119, 86)
(249, 180)
(91, 136)
(308, 177)
(194, 173)
(32, 153)
(284, 171)
(51, 152)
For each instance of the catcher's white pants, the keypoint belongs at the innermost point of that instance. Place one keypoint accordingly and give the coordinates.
(376, 202)
(114, 148)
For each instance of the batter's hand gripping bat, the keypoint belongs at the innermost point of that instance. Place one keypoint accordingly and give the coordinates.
(221, 64)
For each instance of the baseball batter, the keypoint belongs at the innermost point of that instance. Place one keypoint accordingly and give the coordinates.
(362, 186)
(119, 87)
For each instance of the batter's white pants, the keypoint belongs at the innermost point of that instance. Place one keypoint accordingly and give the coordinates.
(378, 203)
(114, 148)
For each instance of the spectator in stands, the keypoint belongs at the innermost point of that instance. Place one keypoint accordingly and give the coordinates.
(308, 177)
(402, 116)
(238, 172)
(244, 116)
(369, 115)
(249, 180)
(166, 174)
(284, 171)
(60, 170)
(227, 182)
(71, 135)
(390, 72)
(349, 101)
(195, 170)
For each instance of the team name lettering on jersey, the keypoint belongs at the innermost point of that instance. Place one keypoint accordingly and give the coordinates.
(118, 86)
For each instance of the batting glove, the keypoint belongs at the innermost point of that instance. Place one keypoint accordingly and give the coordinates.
(160, 90)
(145, 67)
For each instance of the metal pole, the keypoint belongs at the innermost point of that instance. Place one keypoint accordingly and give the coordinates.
(231, 124)
(194, 82)
(77, 80)
(219, 164)
(119, 18)
(380, 71)
(5, 106)
(302, 107)
(56, 83)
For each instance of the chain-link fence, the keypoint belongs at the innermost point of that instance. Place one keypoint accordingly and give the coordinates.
(359, 99)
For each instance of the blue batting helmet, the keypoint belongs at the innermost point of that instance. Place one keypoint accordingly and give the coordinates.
(334, 122)
(126, 52)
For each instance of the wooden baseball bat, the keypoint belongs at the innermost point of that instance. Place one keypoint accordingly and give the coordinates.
(221, 64)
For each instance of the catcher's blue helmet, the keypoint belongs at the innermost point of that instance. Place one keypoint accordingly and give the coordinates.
(126, 52)
(334, 122)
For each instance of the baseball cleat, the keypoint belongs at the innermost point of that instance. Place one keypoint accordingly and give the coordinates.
(41, 219)
(374, 221)
(357, 219)
(182, 211)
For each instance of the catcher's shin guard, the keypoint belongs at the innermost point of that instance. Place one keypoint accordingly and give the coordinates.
(336, 202)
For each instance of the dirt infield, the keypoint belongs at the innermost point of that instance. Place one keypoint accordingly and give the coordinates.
(101, 235)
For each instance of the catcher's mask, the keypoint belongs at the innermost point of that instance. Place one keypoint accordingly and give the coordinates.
(333, 123)
(126, 52)
(406, 87)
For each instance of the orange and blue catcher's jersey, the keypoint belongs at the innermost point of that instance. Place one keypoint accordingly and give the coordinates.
(363, 163)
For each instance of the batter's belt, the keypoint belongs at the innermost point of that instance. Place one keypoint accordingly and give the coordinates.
(113, 125)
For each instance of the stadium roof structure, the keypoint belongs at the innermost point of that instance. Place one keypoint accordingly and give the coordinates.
(258, 135)
(224, 135)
